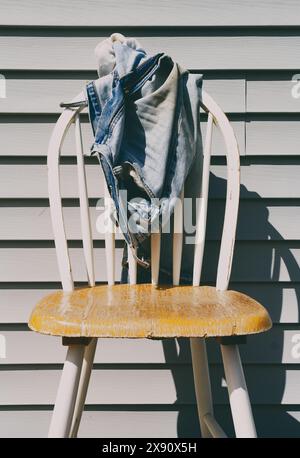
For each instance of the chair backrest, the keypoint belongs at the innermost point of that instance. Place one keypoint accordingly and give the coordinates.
(215, 117)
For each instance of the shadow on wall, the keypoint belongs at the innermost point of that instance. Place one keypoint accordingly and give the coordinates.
(256, 271)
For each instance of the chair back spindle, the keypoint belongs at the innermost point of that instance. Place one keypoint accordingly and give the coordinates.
(202, 204)
(54, 190)
(109, 238)
(155, 257)
(87, 239)
(132, 265)
(178, 238)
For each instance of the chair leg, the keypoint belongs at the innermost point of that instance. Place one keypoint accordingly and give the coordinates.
(202, 382)
(238, 394)
(85, 375)
(66, 396)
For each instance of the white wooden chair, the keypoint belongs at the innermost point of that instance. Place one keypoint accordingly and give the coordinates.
(81, 316)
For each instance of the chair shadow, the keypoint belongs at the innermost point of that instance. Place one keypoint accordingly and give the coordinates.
(263, 265)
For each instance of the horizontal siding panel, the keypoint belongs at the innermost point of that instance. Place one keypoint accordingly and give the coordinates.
(34, 223)
(257, 221)
(150, 386)
(281, 299)
(30, 181)
(274, 138)
(222, 51)
(43, 264)
(39, 95)
(276, 346)
(40, 265)
(106, 387)
(258, 180)
(154, 13)
(23, 131)
(122, 422)
(42, 95)
(264, 138)
(140, 422)
(272, 96)
(16, 304)
(266, 180)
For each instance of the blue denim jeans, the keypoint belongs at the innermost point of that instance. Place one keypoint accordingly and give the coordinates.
(192, 192)
(144, 111)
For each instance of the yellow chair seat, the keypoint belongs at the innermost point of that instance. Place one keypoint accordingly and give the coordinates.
(148, 311)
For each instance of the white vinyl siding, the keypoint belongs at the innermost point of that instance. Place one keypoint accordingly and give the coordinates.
(248, 53)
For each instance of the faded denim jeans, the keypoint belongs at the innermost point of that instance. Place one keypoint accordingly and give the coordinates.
(144, 111)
